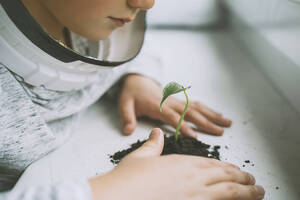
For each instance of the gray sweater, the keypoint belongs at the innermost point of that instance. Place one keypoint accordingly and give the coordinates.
(35, 121)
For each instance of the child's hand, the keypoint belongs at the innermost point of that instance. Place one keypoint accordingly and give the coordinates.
(144, 174)
(141, 96)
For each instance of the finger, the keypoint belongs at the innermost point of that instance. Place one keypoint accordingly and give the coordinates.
(228, 174)
(199, 120)
(171, 117)
(212, 115)
(211, 162)
(202, 162)
(153, 147)
(201, 105)
(234, 191)
(203, 124)
(128, 117)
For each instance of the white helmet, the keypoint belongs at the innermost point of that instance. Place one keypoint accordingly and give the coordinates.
(29, 51)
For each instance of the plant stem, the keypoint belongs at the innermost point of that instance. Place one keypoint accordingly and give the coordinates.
(182, 115)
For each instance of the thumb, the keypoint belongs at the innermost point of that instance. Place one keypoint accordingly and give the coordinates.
(128, 116)
(153, 147)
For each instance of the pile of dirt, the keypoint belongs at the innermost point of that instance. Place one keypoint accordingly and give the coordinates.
(184, 145)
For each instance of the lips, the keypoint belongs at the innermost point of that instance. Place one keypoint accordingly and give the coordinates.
(120, 21)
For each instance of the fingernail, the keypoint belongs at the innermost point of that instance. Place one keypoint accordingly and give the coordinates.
(228, 121)
(252, 179)
(260, 191)
(155, 133)
(220, 131)
(127, 128)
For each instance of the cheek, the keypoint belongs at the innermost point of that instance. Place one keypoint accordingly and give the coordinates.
(88, 18)
(92, 9)
(92, 27)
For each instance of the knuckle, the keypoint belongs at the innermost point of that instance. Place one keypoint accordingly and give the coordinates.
(209, 125)
(174, 118)
(191, 113)
(195, 114)
(167, 111)
(198, 104)
(229, 171)
(204, 122)
(184, 126)
(201, 122)
(233, 190)
(212, 162)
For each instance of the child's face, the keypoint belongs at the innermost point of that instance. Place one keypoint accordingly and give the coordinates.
(93, 18)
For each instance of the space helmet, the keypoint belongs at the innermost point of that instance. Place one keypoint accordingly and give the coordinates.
(27, 50)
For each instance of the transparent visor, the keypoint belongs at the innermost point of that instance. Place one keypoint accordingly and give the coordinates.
(120, 47)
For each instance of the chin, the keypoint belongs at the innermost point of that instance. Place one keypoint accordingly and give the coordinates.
(99, 35)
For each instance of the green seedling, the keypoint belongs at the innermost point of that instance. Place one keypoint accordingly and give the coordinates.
(174, 88)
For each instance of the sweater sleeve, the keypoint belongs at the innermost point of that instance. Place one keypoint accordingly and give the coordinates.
(24, 135)
(75, 190)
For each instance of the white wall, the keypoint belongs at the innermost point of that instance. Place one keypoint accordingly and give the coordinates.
(277, 20)
(187, 12)
(270, 31)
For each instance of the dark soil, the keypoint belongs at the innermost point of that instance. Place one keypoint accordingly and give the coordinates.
(184, 145)
(248, 162)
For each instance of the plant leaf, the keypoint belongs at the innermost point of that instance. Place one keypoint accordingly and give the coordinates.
(170, 89)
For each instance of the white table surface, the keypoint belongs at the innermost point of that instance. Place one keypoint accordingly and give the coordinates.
(265, 128)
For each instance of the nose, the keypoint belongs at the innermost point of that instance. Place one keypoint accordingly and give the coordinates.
(141, 4)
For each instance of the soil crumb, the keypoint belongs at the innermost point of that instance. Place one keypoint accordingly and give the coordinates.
(184, 145)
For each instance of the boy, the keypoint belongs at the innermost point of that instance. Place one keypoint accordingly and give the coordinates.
(37, 114)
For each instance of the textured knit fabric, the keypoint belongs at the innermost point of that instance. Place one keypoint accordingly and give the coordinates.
(35, 121)
(24, 134)
(71, 190)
